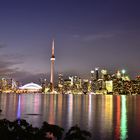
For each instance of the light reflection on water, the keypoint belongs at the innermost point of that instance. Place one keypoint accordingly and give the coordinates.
(123, 119)
(18, 109)
(106, 117)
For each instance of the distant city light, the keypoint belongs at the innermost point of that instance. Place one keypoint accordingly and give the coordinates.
(123, 71)
(96, 68)
(104, 71)
(92, 71)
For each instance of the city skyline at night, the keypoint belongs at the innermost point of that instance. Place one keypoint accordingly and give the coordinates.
(87, 34)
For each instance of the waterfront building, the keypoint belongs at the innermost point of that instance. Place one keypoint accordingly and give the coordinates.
(103, 78)
(67, 86)
(60, 79)
(13, 85)
(109, 86)
(44, 85)
(75, 84)
(92, 75)
(103, 74)
(4, 84)
(71, 78)
(8, 85)
(92, 81)
(60, 83)
(30, 88)
(96, 73)
(85, 86)
(118, 74)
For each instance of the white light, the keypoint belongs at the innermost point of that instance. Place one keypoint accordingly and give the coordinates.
(92, 71)
(53, 59)
(123, 71)
(31, 86)
(104, 71)
(96, 68)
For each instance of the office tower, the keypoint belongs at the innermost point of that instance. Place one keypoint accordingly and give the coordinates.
(103, 74)
(60, 80)
(92, 75)
(97, 73)
(118, 74)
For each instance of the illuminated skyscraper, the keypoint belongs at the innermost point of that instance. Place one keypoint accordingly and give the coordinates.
(92, 75)
(103, 74)
(97, 73)
(118, 74)
(52, 68)
(60, 80)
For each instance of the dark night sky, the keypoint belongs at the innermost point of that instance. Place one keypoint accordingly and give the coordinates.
(88, 34)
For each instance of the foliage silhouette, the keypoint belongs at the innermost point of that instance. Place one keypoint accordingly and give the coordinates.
(75, 133)
(20, 129)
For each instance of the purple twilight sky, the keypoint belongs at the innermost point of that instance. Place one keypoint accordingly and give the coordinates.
(88, 34)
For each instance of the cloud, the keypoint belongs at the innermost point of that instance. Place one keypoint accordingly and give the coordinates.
(9, 64)
(26, 77)
(76, 36)
(102, 35)
(93, 37)
(15, 73)
(6, 67)
(11, 67)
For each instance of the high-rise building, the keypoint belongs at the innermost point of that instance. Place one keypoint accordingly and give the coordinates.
(60, 80)
(52, 68)
(85, 86)
(103, 74)
(60, 83)
(118, 74)
(92, 75)
(97, 73)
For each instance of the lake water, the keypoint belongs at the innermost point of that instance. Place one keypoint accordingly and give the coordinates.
(107, 117)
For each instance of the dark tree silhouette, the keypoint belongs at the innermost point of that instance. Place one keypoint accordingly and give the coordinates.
(75, 133)
(54, 129)
(21, 130)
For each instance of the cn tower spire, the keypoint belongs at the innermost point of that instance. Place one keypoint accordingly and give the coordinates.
(52, 68)
(53, 48)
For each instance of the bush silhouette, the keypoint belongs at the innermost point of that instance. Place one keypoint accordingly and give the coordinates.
(20, 129)
(75, 133)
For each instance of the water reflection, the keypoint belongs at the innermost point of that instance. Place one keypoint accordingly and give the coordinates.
(118, 118)
(18, 110)
(106, 117)
(51, 110)
(123, 118)
(90, 122)
(108, 103)
(70, 110)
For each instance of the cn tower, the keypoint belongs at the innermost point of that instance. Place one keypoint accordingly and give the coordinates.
(52, 68)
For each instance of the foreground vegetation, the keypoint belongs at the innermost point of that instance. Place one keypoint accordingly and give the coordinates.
(22, 130)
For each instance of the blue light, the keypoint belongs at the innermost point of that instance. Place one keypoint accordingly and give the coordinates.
(18, 110)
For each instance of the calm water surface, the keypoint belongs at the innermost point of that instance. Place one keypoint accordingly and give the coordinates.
(107, 117)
